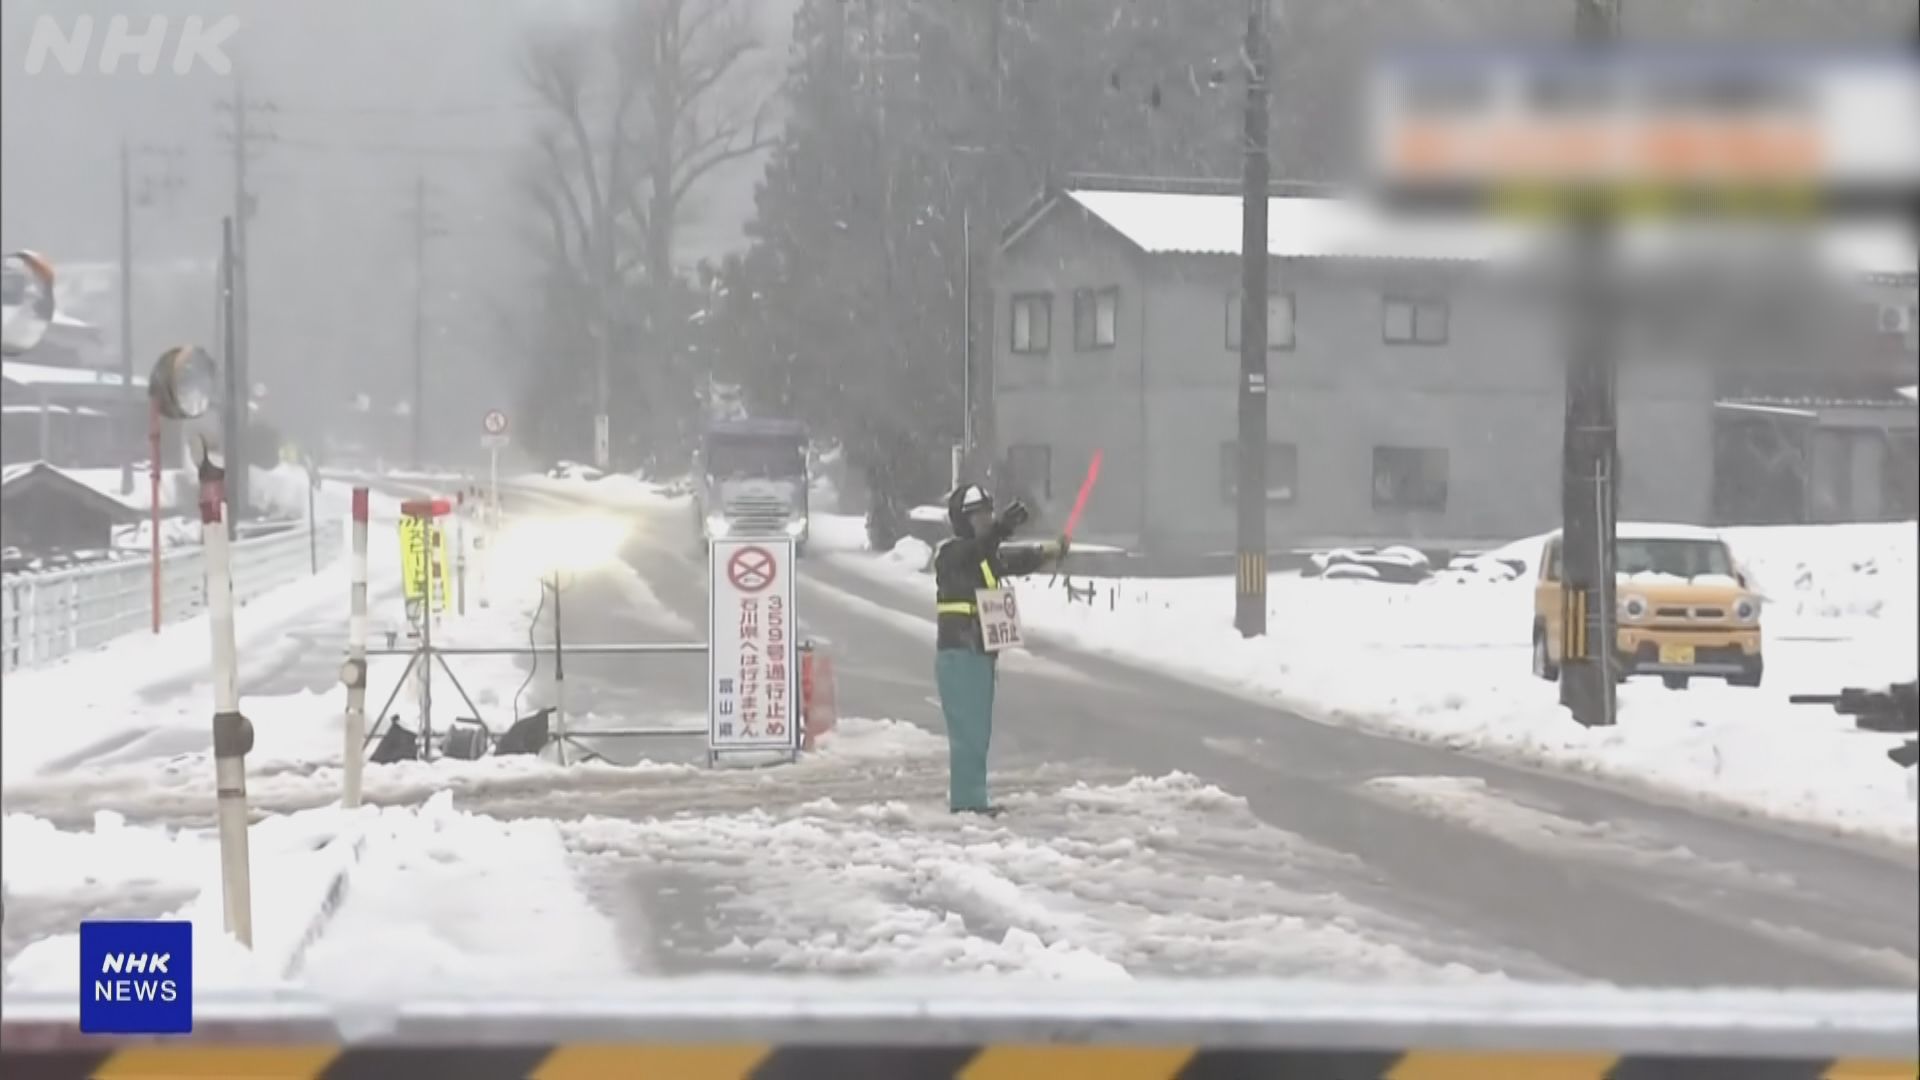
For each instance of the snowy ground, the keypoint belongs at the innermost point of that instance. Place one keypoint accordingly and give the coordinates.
(522, 871)
(1448, 661)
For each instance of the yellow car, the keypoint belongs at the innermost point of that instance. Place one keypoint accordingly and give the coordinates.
(1684, 608)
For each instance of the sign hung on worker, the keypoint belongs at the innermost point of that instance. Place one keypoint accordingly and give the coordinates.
(999, 619)
(752, 663)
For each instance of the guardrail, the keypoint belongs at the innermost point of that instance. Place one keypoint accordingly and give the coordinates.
(46, 616)
(778, 1027)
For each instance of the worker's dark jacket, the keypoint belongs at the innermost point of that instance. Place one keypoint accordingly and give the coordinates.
(965, 564)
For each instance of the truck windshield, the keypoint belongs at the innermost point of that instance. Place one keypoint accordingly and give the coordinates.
(755, 458)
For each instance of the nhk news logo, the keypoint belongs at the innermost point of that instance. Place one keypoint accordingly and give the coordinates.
(136, 978)
(70, 43)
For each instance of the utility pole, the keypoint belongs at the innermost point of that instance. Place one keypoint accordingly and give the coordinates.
(135, 406)
(424, 229)
(419, 317)
(129, 398)
(242, 138)
(1590, 441)
(1250, 590)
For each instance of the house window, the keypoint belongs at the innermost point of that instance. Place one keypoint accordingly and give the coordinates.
(1032, 323)
(1096, 314)
(1413, 320)
(1283, 472)
(1409, 478)
(1030, 466)
(1279, 321)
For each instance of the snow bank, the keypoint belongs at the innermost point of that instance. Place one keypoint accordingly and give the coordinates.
(446, 898)
(911, 555)
(837, 532)
(300, 865)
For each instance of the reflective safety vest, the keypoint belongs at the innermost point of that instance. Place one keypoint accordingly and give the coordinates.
(969, 607)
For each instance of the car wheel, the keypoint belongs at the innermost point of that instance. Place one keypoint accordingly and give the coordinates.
(1543, 665)
(1674, 682)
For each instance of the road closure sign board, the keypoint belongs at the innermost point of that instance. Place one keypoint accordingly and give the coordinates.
(752, 647)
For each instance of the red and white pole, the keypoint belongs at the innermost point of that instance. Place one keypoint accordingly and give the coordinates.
(232, 732)
(356, 670)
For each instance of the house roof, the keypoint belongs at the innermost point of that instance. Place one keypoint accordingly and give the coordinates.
(1298, 227)
(18, 477)
(1319, 226)
(22, 373)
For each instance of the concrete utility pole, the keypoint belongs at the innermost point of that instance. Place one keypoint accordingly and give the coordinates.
(136, 405)
(129, 396)
(242, 138)
(1589, 499)
(1250, 591)
(424, 229)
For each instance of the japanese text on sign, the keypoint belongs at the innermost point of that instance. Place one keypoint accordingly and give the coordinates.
(751, 699)
(999, 619)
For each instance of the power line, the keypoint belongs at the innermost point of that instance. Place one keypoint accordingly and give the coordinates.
(397, 149)
(471, 109)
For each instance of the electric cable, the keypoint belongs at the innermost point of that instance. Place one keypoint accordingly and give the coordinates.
(533, 647)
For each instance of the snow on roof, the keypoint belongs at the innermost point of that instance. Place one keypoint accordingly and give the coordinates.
(58, 410)
(103, 483)
(26, 374)
(1297, 228)
(1309, 227)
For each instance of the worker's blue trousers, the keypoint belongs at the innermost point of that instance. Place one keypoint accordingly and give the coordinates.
(966, 682)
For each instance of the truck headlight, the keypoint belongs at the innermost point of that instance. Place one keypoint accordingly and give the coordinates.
(1746, 609)
(1633, 608)
(716, 526)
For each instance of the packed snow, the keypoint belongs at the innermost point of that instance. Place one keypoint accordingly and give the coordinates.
(1448, 660)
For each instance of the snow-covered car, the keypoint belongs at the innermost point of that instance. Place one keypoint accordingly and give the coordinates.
(1684, 608)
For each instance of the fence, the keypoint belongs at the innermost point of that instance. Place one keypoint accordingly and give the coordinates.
(46, 616)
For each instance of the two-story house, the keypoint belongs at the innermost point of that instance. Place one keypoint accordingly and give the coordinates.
(1411, 396)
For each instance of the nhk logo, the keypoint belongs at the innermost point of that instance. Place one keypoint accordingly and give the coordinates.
(196, 41)
(153, 982)
(136, 978)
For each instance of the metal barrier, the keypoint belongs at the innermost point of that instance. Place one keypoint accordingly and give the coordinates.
(774, 1027)
(46, 616)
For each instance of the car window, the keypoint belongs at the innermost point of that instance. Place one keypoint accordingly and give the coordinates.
(1672, 557)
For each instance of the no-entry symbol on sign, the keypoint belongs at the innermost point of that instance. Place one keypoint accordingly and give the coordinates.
(751, 569)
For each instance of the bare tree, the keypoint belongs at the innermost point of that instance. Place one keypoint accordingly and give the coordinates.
(641, 113)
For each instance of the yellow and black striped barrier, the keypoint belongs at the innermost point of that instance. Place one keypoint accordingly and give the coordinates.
(579, 1061)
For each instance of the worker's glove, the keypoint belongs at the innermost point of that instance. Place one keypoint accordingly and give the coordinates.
(1062, 546)
(1015, 515)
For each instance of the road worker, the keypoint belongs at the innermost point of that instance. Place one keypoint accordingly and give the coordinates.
(964, 565)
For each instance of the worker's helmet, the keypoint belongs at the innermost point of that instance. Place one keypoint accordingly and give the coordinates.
(963, 502)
